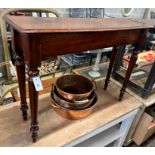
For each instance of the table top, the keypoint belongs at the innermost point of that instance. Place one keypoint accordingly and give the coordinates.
(148, 22)
(29, 24)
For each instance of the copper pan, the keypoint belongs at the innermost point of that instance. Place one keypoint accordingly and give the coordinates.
(72, 114)
(74, 87)
(72, 104)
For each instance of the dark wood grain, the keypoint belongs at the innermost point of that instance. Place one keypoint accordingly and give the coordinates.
(61, 43)
(42, 25)
(33, 94)
(52, 44)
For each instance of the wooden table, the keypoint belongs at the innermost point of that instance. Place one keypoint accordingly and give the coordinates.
(36, 38)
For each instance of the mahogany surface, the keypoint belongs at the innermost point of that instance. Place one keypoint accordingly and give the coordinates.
(38, 24)
(35, 38)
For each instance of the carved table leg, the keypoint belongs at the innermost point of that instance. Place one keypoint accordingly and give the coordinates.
(132, 63)
(33, 94)
(20, 67)
(114, 53)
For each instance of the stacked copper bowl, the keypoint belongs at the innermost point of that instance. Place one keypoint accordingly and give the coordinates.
(73, 96)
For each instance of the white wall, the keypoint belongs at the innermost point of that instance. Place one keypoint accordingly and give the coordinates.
(114, 12)
(137, 12)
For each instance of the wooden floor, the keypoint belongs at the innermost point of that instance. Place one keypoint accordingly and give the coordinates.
(57, 131)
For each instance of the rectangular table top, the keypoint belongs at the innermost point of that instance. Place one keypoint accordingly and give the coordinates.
(29, 24)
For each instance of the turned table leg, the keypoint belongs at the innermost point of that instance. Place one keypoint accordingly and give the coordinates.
(33, 94)
(112, 59)
(20, 67)
(132, 63)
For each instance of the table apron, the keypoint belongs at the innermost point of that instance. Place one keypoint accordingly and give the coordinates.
(44, 45)
(65, 43)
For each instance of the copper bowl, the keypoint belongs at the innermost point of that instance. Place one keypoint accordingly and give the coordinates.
(74, 87)
(72, 104)
(70, 113)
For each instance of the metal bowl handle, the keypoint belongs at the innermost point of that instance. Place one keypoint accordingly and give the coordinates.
(53, 103)
(81, 101)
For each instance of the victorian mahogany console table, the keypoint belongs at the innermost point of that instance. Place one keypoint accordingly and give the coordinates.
(36, 38)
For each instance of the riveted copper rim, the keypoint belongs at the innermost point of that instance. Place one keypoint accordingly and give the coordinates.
(74, 87)
(72, 114)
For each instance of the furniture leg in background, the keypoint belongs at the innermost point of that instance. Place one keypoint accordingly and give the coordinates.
(113, 56)
(132, 63)
(138, 46)
(118, 60)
